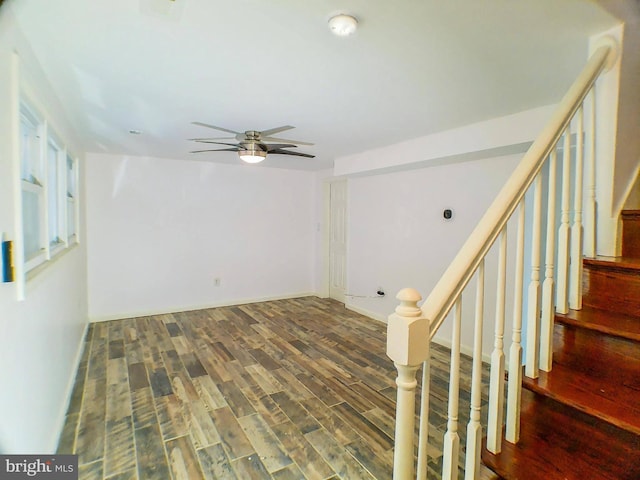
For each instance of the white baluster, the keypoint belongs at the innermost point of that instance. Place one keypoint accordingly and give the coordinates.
(562, 292)
(533, 308)
(575, 271)
(451, 438)
(515, 352)
(474, 428)
(591, 187)
(423, 438)
(496, 389)
(548, 296)
(408, 347)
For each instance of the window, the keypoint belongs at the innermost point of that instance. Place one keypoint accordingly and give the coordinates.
(33, 201)
(49, 191)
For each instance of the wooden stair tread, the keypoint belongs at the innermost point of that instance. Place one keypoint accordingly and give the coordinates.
(630, 214)
(556, 442)
(610, 323)
(588, 397)
(627, 264)
(594, 373)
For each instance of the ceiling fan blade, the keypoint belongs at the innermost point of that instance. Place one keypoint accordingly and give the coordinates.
(210, 138)
(217, 128)
(284, 140)
(218, 143)
(287, 152)
(217, 150)
(271, 131)
(275, 146)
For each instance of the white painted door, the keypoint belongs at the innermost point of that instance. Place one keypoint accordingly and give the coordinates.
(338, 240)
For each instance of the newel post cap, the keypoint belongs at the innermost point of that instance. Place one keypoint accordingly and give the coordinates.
(408, 330)
(409, 298)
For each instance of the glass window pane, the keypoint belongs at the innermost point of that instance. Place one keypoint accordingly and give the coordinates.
(31, 223)
(71, 177)
(71, 218)
(29, 150)
(53, 196)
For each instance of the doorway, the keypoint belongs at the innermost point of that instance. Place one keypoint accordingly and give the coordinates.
(336, 248)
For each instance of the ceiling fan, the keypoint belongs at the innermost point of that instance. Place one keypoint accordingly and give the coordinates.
(251, 146)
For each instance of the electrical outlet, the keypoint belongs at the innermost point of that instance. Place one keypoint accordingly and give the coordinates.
(216, 282)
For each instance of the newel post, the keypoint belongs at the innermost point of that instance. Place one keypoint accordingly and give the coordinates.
(408, 347)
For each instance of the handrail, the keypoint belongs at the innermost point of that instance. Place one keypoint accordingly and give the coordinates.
(450, 286)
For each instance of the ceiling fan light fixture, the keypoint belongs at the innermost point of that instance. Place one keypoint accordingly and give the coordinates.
(252, 156)
(343, 25)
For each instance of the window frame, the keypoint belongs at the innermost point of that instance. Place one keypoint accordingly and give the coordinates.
(55, 246)
(36, 183)
(53, 200)
(71, 197)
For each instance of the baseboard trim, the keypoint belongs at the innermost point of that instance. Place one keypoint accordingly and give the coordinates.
(190, 308)
(70, 384)
(366, 313)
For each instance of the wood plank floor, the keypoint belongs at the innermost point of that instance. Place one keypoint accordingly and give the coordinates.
(289, 389)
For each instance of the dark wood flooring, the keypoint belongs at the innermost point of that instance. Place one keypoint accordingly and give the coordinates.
(289, 389)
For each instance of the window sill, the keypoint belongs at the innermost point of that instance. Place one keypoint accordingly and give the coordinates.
(56, 255)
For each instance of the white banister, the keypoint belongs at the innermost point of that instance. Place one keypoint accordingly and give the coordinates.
(451, 438)
(548, 295)
(423, 437)
(411, 328)
(512, 433)
(408, 347)
(533, 299)
(457, 276)
(575, 275)
(496, 384)
(562, 291)
(591, 186)
(474, 428)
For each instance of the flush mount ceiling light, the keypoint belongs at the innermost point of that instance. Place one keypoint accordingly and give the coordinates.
(343, 25)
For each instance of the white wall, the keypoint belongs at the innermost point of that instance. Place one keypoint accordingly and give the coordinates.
(627, 151)
(40, 336)
(398, 237)
(506, 135)
(161, 230)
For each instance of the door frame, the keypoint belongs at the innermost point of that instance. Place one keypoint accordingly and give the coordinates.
(326, 232)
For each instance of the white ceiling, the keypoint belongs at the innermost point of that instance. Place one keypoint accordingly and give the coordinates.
(414, 67)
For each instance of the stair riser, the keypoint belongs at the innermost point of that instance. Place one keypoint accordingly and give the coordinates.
(631, 234)
(612, 289)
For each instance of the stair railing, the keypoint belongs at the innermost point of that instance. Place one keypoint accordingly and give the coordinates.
(411, 328)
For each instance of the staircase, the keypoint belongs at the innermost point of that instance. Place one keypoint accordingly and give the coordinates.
(582, 419)
(573, 411)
